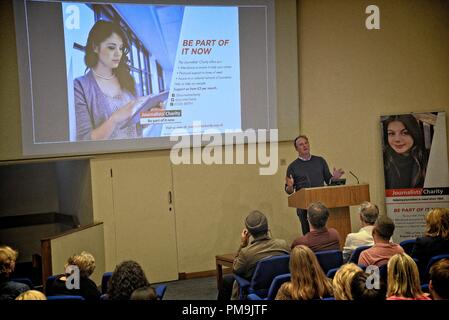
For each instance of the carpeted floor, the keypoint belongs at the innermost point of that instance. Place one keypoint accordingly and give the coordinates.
(192, 289)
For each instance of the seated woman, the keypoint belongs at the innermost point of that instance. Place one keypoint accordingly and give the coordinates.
(342, 281)
(435, 240)
(361, 292)
(403, 279)
(308, 280)
(127, 277)
(9, 290)
(87, 288)
(31, 295)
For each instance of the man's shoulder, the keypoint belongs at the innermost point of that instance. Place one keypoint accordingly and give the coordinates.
(301, 240)
(334, 232)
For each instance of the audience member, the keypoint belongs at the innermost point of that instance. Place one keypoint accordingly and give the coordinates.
(342, 281)
(127, 277)
(403, 279)
(368, 216)
(9, 290)
(31, 295)
(361, 291)
(319, 238)
(250, 252)
(144, 293)
(435, 240)
(87, 288)
(308, 280)
(439, 280)
(382, 249)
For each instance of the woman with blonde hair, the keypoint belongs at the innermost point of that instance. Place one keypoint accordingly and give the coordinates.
(32, 295)
(403, 279)
(85, 263)
(9, 290)
(342, 281)
(308, 280)
(435, 240)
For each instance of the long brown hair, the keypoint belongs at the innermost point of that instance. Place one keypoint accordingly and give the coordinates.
(418, 151)
(102, 30)
(342, 281)
(308, 280)
(403, 277)
(437, 223)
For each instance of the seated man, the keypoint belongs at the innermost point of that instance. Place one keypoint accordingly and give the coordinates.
(319, 238)
(439, 280)
(368, 216)
(382, 249)
(250, 252)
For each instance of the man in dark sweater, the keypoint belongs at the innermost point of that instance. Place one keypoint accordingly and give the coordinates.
(307, 171)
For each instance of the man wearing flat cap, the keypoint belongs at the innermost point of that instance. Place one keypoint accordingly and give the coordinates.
(250, 252)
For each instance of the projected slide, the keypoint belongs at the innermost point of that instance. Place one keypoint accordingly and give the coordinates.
(98, 77)
(139, 71)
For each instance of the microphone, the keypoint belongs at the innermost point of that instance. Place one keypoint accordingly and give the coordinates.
(355, 177)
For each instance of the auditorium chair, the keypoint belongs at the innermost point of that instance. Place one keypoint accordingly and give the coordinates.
(266, 270)
(275, 285)
(329, 259)
(408, 245)
(354, 258)
(432, 261)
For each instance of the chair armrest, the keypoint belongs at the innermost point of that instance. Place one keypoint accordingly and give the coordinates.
(253, 296)
(243, 285)
(160, 291)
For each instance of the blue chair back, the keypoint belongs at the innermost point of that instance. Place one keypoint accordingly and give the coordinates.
(329, 259)
(104, 282)
(274, 288)
(408, 245)
(160, 291)
(266, 270)
(432, 261)
(331, 273)
(276, 284)
(26, 281)
(356, 254)
(49, 284)
(65, 298)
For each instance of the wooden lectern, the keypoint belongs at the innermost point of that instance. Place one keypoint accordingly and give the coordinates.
(337, 199)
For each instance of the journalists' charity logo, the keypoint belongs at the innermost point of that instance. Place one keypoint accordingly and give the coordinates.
(220, 147)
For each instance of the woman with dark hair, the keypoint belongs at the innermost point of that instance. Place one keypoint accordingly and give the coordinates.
(127, 277)
(105, 95)
(405, 155)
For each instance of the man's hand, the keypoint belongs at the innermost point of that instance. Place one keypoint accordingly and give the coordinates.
(337, 173)
(244, 237)
(290, 182)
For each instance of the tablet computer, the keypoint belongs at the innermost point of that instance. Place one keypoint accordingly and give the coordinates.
(145, 103)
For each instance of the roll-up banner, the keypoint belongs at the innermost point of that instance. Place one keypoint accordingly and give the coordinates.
(415, 169)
